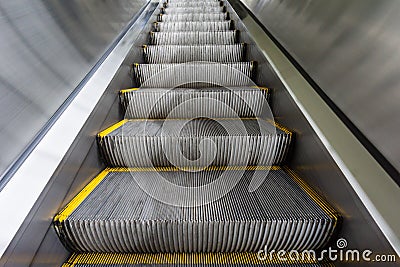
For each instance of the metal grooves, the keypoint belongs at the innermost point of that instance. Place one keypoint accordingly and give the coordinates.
(193, 38)
(193, 113)
(279, 215)
(194, 74)
(160, 103)
(200, 16)
(194, 143)
(194, 4)
(186, 53)
(204, 9)
(206, 26)
(237, 259)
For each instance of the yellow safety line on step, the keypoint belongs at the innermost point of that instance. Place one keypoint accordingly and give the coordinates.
(111, 128)
(123, 91)
(80, 197)
(315, 196)
(230, 258)
(209, 168)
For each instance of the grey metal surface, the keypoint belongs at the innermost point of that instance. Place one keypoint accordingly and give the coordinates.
(182, 26)
(36, 243)
(193, 17)
(195, 143)
(350, 49)
(191, 38)
(194, 74)
(159, 103)
(47, 48)
(310, 158)
(279, 215)
(185, 53)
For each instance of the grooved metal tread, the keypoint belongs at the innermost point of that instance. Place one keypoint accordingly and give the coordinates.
(184, 259)
(160, 103)
(194, 38)
(281, 213)
(175, 10)
(184, 53)
(200, 16)
(194, 142)
(187, 26)
(195, 74)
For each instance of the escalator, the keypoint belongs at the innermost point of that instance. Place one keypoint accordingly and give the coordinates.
(196, 169)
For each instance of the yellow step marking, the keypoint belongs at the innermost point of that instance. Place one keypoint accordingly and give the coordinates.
(80, 197)
(181, 258)
(111, 128)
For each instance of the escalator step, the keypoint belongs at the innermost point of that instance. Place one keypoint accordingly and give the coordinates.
(185, 53)
(181, 10)
(194, 74)
(193, 4)
(180, 1)
(200, 16)
(202, 26)
(193, 38)
(236, 259)
(194, 143)
(280, 214)
(158, 103)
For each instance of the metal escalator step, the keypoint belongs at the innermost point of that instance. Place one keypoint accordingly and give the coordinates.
(193, 4)
(115, 214)
(203, 26)
(237, 259)
(193, 38)
(184, 53)
(180, 1)
(197, 142)
(194, 74)
(180, 10)
(201, 16)
(160, 103)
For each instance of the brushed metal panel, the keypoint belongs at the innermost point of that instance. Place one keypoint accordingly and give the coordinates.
(310, 159)
(47, 48)
(350, 49)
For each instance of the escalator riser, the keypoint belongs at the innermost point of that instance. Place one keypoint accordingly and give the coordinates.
(186, 53)
(193, 38)
(194, 4)
(182, 1)
(212, 26)
(146, 143)
(201, 16)
(181, 10)
(160, 104)
(194, 74)
(278, 214)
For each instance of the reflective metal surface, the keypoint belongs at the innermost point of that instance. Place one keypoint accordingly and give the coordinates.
(350, 49)
(47, 48)
(36, 243)
(310, 158)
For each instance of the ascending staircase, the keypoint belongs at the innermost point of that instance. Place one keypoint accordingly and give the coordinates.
(195, 172)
